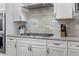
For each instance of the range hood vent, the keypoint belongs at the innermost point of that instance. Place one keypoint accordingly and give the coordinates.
(37, 5)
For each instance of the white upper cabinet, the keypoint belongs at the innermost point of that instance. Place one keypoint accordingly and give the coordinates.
(2, 7)
(63, 10)
(19, 13)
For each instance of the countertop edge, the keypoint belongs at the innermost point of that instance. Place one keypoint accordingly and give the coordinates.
(70, 39)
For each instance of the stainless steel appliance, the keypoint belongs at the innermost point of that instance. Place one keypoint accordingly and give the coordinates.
(2, 31)
(77, 7)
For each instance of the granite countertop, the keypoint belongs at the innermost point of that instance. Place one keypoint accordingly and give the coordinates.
(74, 39)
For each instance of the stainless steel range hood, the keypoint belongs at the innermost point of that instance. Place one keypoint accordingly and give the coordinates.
(37, 5)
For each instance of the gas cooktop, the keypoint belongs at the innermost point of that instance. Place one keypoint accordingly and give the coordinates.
(38, 34)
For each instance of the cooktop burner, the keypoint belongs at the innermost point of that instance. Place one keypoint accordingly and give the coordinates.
(38, 34)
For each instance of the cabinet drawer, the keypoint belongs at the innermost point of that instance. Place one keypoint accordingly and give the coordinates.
(57, 43)
(21, 44)
(11, 39)
(37, 41)
(22, 40)
(10, 43)
(73, 45)
(38, 46)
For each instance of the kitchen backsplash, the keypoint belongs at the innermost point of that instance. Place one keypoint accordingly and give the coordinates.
(43, 21)
(72, 27)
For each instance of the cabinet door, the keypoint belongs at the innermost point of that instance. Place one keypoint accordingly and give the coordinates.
(11, 50)
(73, 52)
(49, 51)
(1, 54)
(57, 51)
(38, 50)
(63, 10)
(16, 11)
(2, 6)
(22, 49)
(19, 13)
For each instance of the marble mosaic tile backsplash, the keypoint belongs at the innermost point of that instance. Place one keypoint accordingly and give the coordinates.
(72, 27)
(43, 21)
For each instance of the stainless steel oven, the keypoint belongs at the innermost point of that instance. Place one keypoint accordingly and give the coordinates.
(2, 22)
(2, 31)
(2, 41)
(77, 7)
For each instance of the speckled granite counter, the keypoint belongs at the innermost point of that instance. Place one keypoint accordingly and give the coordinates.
(74, 39)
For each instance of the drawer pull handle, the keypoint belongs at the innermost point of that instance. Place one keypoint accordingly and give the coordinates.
(11, 39)
(56, 44)
(47, 50)
(15, 45)
(77, 46)
(28, 48)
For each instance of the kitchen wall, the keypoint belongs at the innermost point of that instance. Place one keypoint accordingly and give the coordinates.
(10, 28)
(7, 7)
(72, 27)
(72, 24)
(43, 20)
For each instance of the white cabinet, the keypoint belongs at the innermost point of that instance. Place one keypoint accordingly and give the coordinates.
(72, 52)
(11, 49)
(37, 47)
(37, 50)
(73, 48)
(19, 13)
(56, 48)
(1, 54)
(31, 47)
(22, 49)
(59, 52)
(2, 7)
(16, 11)
(11, 46)
(52, 51)
(63, 10)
